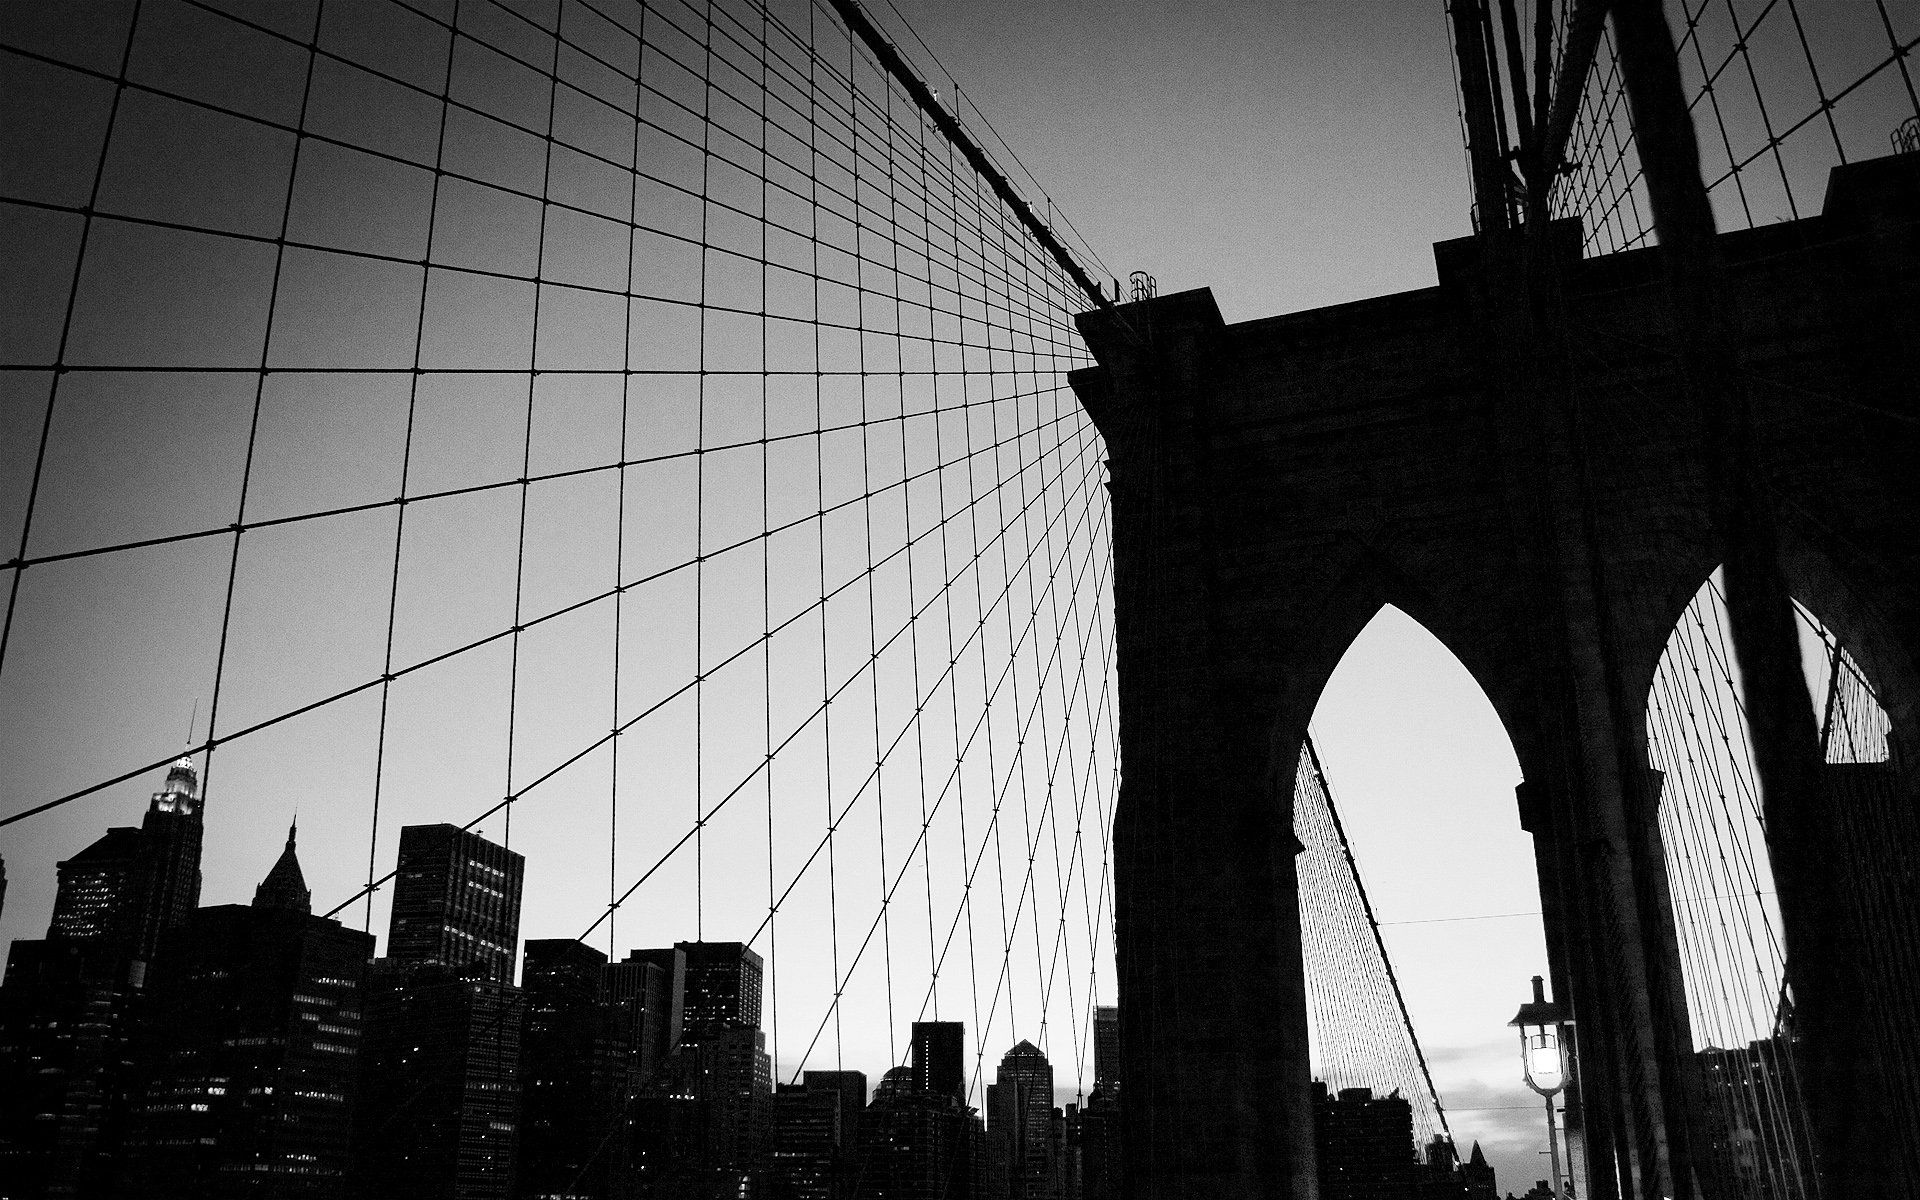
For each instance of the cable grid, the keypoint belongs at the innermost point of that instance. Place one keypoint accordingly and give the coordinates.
(1780, 91)
(639, 419)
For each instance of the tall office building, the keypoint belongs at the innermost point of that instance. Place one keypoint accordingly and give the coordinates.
(722, 988)
(1100, 1147)
(918, 1144)
(440, 1090)
(708, 1103)
(95, 897)
(1023, 1158)
(1106, 1049)
(456, 901)
(851, 1087)
(167, 877)
(573, 1073)
(647, 990)
(803, 1142)
(940, 1058)
(69, 1001)
(1364, 1144)
(132, 885)
(248, 1050)
(63, 1017)
(1757, 1134)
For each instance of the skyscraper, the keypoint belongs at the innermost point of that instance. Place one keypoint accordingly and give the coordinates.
(167, 875)
(813, 1135)
(722, 988)
(132, 885)
(95, 897)
(248, 1050)
(803, 1141)
(63, 1016)
(647, 991)
(1364, 1144)
(851, 1087)
(718, 1079)
(1100, 1147)
(439, 1110)
(573, 1072)
(940, 1058)
(1020, 1144)
(456, 901)
(917, 1144)
(69, 1002)
(1106, 1049)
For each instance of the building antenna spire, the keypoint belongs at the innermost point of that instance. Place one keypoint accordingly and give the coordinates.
(192, 721)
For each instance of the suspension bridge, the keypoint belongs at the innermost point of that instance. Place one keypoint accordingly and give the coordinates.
(679, 444)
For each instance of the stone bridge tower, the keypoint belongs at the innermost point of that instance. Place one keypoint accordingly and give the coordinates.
(1518, 460)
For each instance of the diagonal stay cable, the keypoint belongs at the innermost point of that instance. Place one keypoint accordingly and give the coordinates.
(978, 861)
(823, 707)
(388, 677)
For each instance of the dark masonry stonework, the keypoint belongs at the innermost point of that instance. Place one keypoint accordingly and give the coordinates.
(1511, 458)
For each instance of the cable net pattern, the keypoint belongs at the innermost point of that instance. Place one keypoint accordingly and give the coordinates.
(1739, 981)
(629, 430)
(1358, 1031)
(1781, 91)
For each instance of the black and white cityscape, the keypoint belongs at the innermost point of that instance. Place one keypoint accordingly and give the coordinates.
(152, 1047)
(1001, 600)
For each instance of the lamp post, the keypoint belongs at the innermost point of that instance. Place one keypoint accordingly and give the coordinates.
(1541, 1023)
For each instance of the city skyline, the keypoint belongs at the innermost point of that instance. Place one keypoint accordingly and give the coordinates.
(427, 1069)
(450, 422)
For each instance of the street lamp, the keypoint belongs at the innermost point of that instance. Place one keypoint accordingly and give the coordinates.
(1542, 1024)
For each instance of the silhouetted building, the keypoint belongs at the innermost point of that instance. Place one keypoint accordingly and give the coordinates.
(1100, 1147)
(918, 1144)
(808, 1147)
(573, 1073)
(1022, 1148)
(722, 989)
(167, 876)
(69, 1003)
(646, 991)
(440, 1089)
(1477, 1173)
(1759, 1134)
(439, 1092)
(63, 1060)
(706, 1107)
(940, 1058)
(851, 1087)
(95, 897)
(248, 1051)
(285, 887)
(1440, 1175)
(1364, 1145)
(1106, 1049)
(456, 901)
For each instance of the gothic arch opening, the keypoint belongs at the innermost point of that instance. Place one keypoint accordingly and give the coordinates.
(1422, 774)
(1759, 1091)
